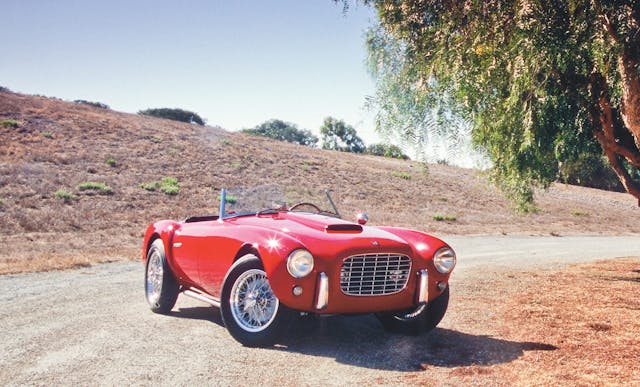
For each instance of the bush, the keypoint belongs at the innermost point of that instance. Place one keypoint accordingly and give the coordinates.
(64, 195)
(99, 105)
(9, 123)
(386, 150)
(402, 175)
(111, 162)
(166, 185)
(590, 171)
(174, 114)
(284, 131)
(101, 188)
(444, 218)
(4, 89)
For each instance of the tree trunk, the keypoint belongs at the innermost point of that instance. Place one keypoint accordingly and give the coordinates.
(603, 121)
(628, 68)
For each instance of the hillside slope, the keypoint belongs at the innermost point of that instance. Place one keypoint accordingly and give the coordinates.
(58, 145)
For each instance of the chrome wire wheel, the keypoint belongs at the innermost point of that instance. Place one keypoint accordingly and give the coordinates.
(155, 274)
(253, 304)
(410, 314)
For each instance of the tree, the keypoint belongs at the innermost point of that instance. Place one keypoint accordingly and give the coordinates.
(174, 114)
(284, 131)
(337, 135)
(539, 83)
(386, 150)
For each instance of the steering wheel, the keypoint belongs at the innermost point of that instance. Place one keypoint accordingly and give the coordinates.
(305, 204)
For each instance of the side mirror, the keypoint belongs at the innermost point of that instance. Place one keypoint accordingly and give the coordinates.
(362, 218)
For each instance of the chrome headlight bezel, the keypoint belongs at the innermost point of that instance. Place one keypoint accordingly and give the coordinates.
(444, 260)
(300, 263)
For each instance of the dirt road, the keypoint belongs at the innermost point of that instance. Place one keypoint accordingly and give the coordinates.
(92, 326)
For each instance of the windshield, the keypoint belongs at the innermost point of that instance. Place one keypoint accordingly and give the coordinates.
(243, 201)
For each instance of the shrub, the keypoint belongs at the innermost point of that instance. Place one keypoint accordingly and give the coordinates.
(111, 162)
(48, 135)
(99, 105)
(402, 175)
(448, 218)
(4, 89)
(9, 123)
(386, 150)
(101, 188)
(64, 195)
(284, 131)
(166, 185)
(590, 171)
(169, 186)
(174, 114)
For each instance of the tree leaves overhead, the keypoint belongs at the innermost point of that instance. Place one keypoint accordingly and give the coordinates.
(538, 83)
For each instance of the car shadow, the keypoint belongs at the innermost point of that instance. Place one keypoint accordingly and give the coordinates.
(361, 341)
(207, 313)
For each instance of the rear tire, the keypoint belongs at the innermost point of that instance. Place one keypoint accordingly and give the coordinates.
(421, 319)
(250, 310)
(161, 287)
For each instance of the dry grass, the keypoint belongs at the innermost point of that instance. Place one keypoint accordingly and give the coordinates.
(579, 327)
(58, 145)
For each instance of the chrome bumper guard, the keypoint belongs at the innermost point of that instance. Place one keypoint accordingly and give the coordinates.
(423, 287)
(323, 291)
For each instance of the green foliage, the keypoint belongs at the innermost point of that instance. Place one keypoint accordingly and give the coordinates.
(64, 195)
(174, 114)
(111, 162)
(10, 123)
(100, 188)
(386, 150)
(590, 170)
(337, 135)
(444, 218)
(531, 81)
(402, 175)
(166, 185)
(229, 199)
(98, 105)
(48, 135)
(169, 186)
(284, 131)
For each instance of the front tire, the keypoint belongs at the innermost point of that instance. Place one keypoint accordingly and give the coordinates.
(250, 310)
(161, 288)
(422, 319)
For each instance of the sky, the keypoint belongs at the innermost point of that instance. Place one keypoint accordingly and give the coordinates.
(235, 63)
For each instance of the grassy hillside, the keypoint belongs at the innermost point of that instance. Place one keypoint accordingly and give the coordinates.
(47, 219)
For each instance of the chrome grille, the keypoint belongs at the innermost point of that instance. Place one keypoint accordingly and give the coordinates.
(374, 274)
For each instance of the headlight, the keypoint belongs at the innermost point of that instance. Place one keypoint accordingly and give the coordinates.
(300, 263)
(444, 260)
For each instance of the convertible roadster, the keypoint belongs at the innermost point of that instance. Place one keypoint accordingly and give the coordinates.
(263, 267)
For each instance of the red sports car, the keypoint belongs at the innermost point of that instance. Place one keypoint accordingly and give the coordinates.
(263, 267)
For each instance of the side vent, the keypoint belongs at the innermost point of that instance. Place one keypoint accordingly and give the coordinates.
(343, 228)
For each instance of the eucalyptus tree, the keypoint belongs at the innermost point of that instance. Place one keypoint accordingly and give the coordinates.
(540, 83)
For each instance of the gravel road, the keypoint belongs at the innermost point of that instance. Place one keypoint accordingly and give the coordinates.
(92, 326)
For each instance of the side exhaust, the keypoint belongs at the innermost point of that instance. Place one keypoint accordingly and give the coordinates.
(202, 297)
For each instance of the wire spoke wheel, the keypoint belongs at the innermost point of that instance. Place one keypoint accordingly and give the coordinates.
(253, 304)
(155, 273)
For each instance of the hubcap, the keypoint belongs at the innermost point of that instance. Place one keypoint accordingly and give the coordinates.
(155, 272)
(253, 304)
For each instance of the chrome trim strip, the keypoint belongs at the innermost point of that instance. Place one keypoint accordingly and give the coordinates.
(323, 291)
(202, 297)
(423, 286)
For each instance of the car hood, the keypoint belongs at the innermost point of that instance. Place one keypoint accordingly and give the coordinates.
(320, 232)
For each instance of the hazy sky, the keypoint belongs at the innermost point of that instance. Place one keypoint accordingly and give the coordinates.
(236, 63)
